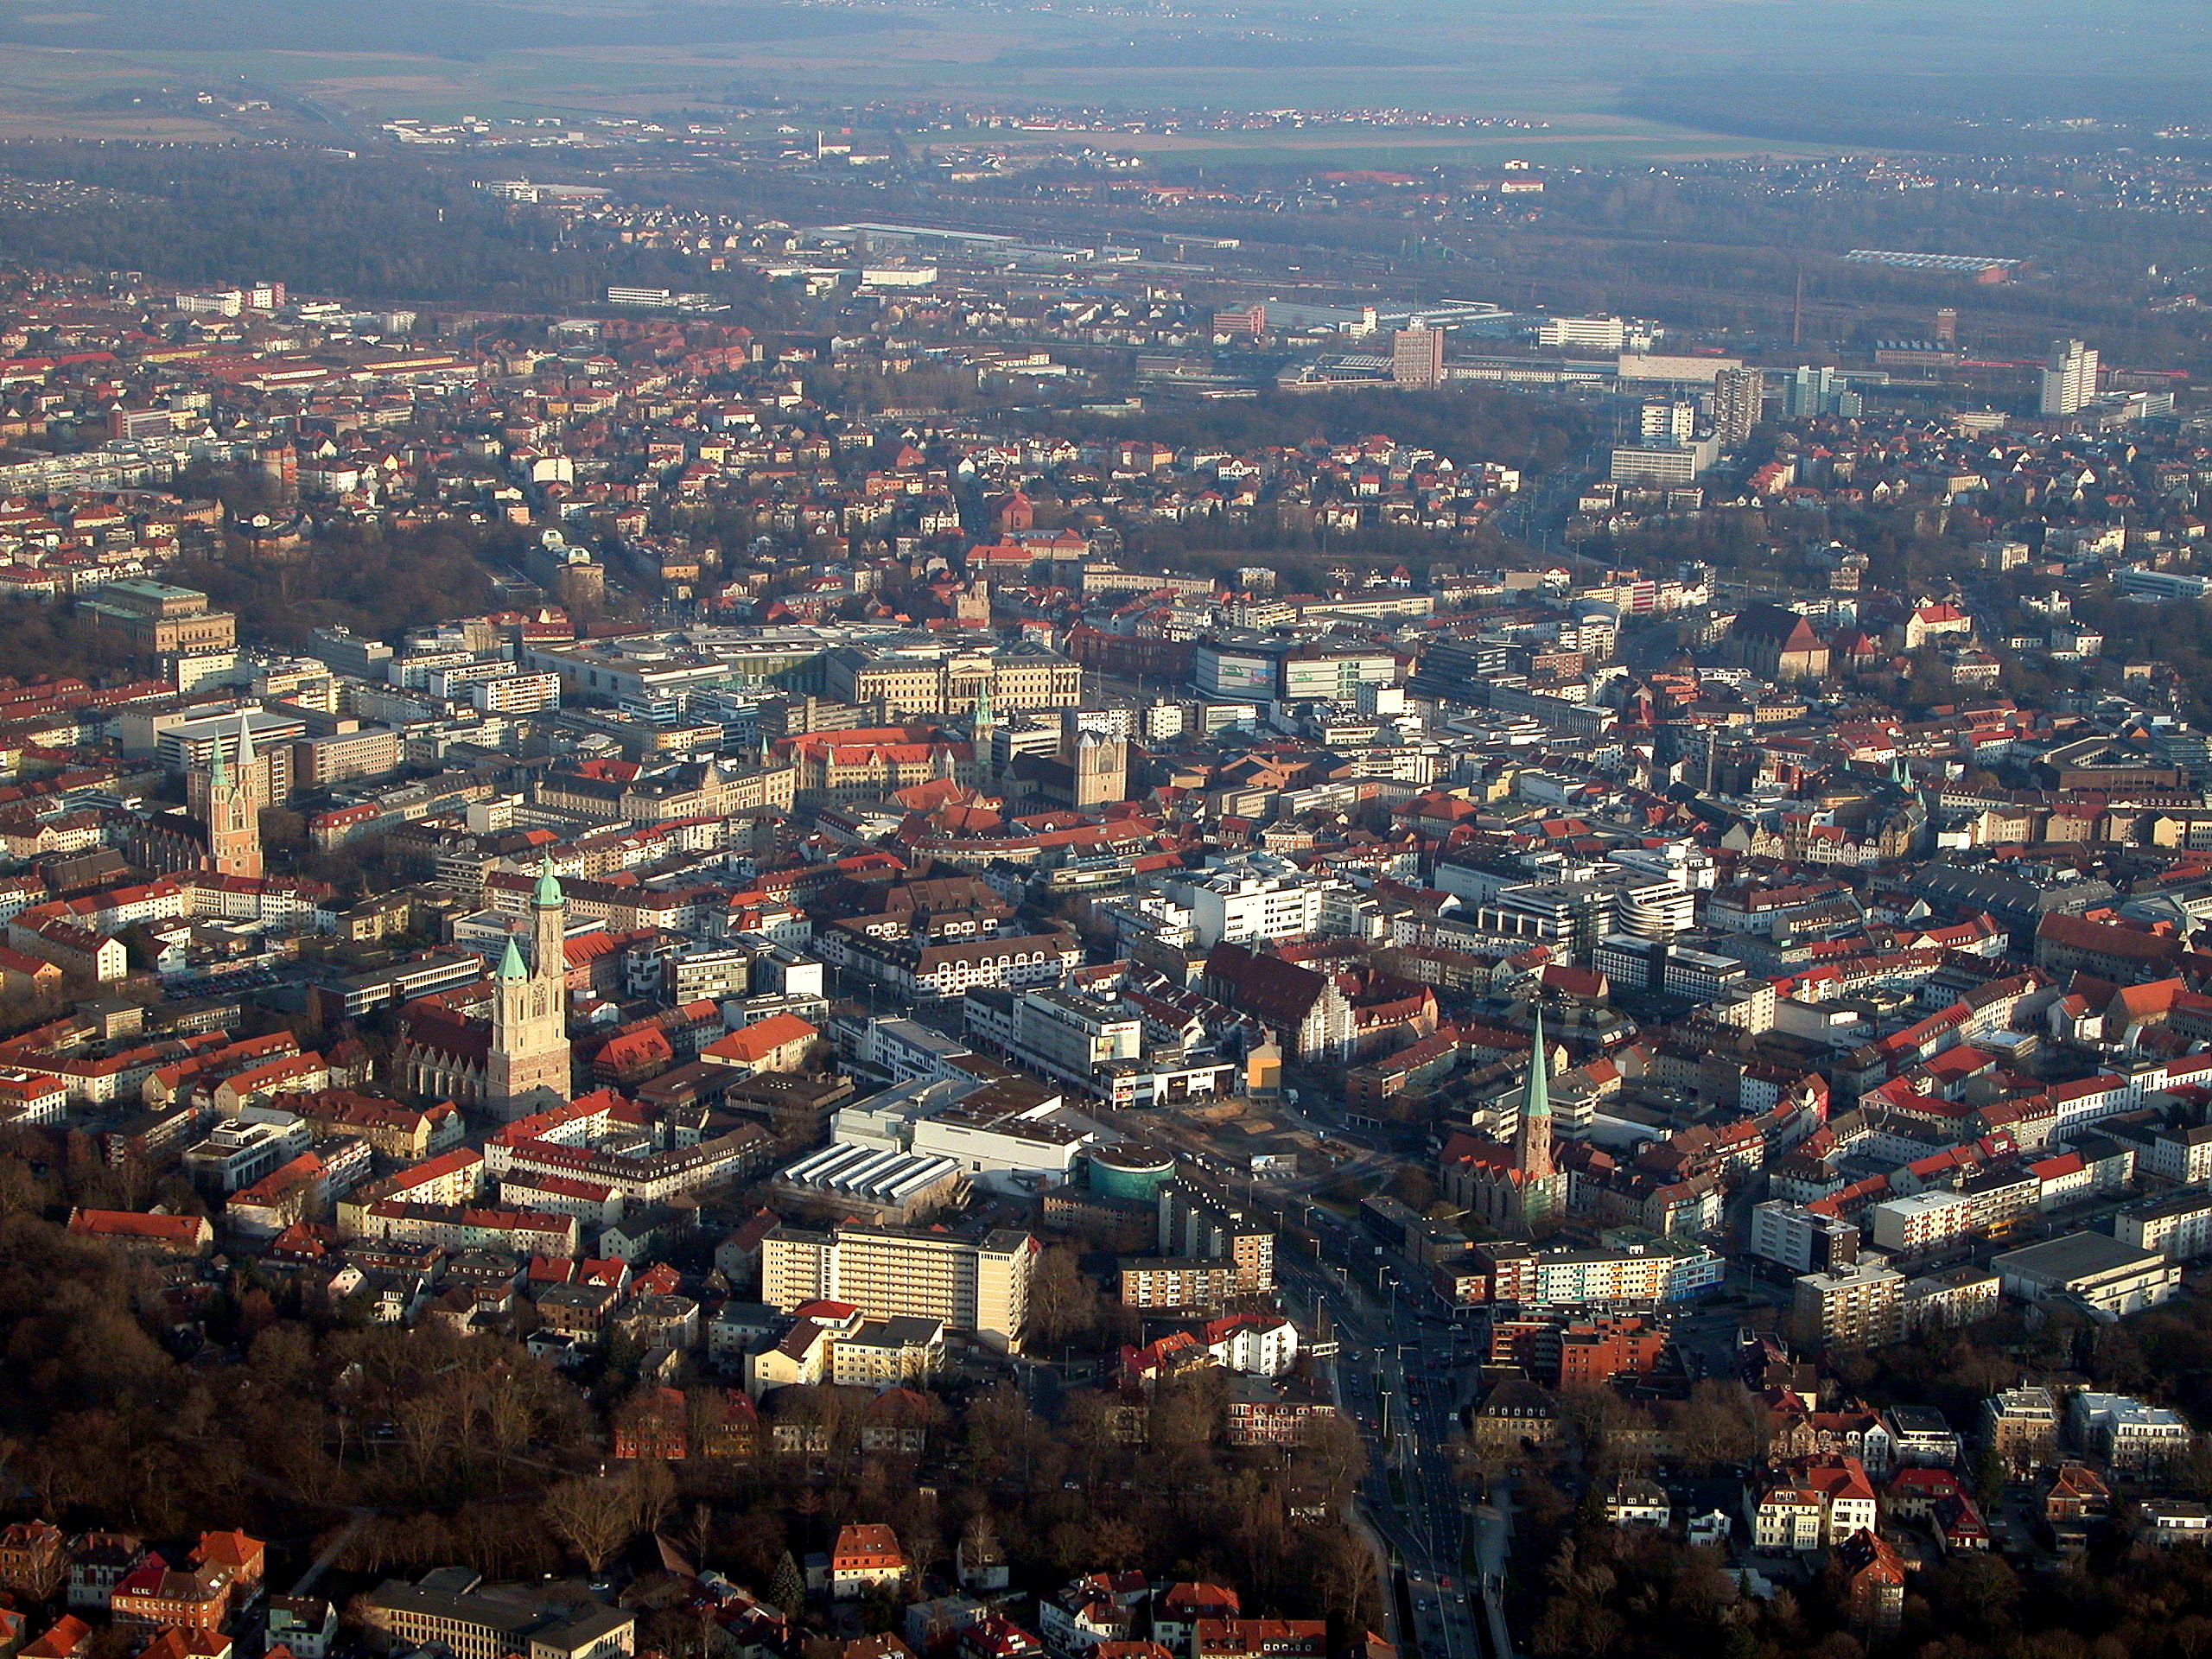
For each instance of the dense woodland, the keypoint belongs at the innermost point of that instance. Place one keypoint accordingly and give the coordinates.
(375, 230)
(376, 581)
(40, 639)
(1469, 423)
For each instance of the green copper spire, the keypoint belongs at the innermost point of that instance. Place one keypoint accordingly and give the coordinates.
(219, 767)
(548, 895)
(511, 966)
(1537, 1103)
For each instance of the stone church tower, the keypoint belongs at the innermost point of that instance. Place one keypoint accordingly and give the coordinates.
(529, 1012)
(1102, 771)
(233, 806)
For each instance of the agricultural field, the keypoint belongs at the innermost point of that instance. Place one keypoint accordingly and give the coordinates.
(147, 68)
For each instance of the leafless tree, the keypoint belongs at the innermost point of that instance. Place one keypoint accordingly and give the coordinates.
(595, 1515)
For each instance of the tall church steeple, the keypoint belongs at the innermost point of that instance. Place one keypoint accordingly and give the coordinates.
(233, 807)
(529, 1057)
(1532, 1143)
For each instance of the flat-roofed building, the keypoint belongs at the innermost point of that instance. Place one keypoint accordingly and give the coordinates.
(2102, 1275)
(2131, 1436)
(2178, 1228)
(1922, 1221)
(979, 1286)
(1856, 1307)
(156, 619)
(452, 1609)
(915, 674)
(2020, 1426)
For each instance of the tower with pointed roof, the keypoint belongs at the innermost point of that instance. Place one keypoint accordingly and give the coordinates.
(1532, 1139)
(529, 1056)
(1513, 1187)
(1541, 1183)
(982, 726)
(233, 805)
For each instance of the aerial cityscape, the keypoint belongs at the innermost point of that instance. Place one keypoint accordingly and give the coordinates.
(904, 831)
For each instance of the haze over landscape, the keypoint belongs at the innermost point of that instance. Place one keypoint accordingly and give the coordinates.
(918, 830)
(1735, 63)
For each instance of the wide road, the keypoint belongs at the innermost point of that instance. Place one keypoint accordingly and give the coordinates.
(1399, 1372)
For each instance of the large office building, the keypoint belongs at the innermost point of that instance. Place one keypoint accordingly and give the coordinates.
(156, 619)
(1664, 463)
(980, 1285)
(1238, 904)
(1417, 357)
(1600, 334)
(921, 676)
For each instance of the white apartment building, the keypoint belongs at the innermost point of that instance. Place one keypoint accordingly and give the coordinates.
(1802, 1240)
(2069, 378)
(976, 1285)
(515, 693)
(1237, 905)
(2129, 1434)
(2177, 1228)
(1922, 1221)
(31, 1099)
(1687, 866)
(1254, 1346)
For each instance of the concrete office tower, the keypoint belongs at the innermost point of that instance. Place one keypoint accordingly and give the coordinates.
(530, 1011)
(1947, 327)
(2069, 378)
(233, 807)
(1417, 357)
(1738, 396)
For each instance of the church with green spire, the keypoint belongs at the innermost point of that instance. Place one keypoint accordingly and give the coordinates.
(518, 1061)
(1514, 1188)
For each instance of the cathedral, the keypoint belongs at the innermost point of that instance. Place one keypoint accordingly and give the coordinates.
(518, 1063)
(221, 830)
(231, 809)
